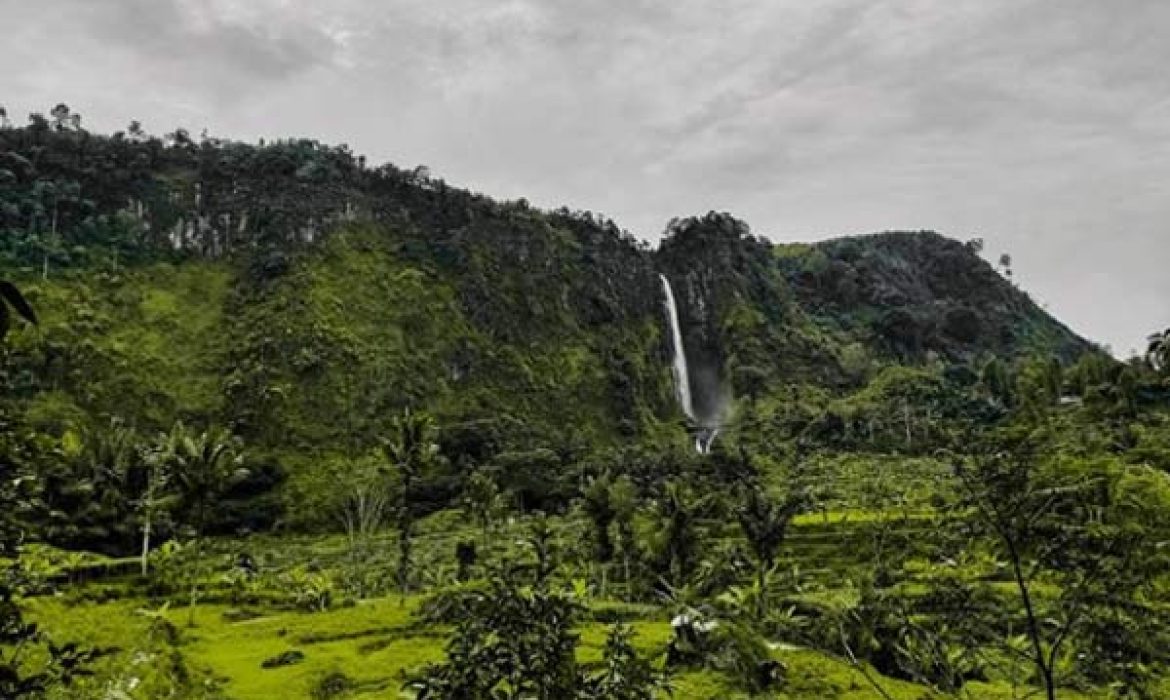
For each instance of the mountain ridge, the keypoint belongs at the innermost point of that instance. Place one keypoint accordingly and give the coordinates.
(330, 295)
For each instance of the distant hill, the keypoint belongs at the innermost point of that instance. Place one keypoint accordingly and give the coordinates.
(300, 296)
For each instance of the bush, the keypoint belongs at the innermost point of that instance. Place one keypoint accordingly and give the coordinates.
(332, 685)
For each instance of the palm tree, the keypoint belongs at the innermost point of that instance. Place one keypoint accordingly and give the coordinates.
(597, 502)
(204, 466)
(765, 523)
(481, 499)
(679, 538)
(157, 495)
(1158, 352)
(410, 449)
(624, 498)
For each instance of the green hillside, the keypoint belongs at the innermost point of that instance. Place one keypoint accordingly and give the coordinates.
(363, 421)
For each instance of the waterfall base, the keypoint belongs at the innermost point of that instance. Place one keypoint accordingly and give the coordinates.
(704, 439)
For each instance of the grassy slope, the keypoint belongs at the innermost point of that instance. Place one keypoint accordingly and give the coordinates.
(351, 333)
(376, 643)
(142, 343)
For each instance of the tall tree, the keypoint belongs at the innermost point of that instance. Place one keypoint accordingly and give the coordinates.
(157, 496)
(481, 499)
(597, 502)
(1092, 531)
(204, 465)
(411, 448)
(1158, 351)
(764, 523)
(679, 536)
(624, 497)
(25, 674)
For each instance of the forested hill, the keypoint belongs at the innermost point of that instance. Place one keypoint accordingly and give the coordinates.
(300, 296)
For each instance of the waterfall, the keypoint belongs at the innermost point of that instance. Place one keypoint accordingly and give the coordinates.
(682, 380)
(706, 434)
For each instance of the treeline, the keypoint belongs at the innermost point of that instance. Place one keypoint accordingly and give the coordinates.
(73, 198)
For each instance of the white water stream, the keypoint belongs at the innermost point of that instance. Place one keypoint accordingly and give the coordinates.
(682, 378)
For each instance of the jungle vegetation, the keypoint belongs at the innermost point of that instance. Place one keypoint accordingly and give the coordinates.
(276, 422)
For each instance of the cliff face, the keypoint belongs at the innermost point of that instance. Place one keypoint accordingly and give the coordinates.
(756, 314)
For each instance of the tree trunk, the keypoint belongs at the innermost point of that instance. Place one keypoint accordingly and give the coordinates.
(906, 416)
(1034, 634)
(146, 546)
(198, 567)
(761, 594)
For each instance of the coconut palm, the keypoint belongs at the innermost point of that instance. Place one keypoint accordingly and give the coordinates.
(203, 466)
(410, 448)
(765, 523)
(1158, 352)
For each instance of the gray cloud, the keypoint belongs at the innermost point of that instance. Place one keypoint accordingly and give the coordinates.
(1041, 125)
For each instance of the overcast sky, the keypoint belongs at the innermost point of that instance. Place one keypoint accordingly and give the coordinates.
(1042, 126)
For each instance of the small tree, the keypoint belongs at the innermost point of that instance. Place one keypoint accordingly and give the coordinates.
(157, 496)
(597, 502)
(764, 523)
(516, 641)
(1093, 530)
(625, 675)
(624, 497)
(1005, 264)
(513, 642)
(363, 513)
(481, 499)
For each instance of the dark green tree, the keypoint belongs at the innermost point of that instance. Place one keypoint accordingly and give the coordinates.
(25, 674)
(597, 502)
(410, 449)
(764, 523)
(1089, 529)
(204, 465)
(679, 533)
(1158, 351)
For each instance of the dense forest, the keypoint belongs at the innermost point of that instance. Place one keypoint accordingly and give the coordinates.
(276, 421)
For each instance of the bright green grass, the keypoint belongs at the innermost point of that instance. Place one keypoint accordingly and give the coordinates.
(138, 660)
(371, 643)
(375, 644)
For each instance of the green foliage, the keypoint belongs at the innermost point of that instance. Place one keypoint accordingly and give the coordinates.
(765, 523)
(411, 449)
(676, 546)
(1084, 527)
(309, 591)
(515, 641)
(598, 505)
(625, 675)
(389, 347)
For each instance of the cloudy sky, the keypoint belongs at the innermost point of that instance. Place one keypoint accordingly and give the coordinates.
(1042, 126)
